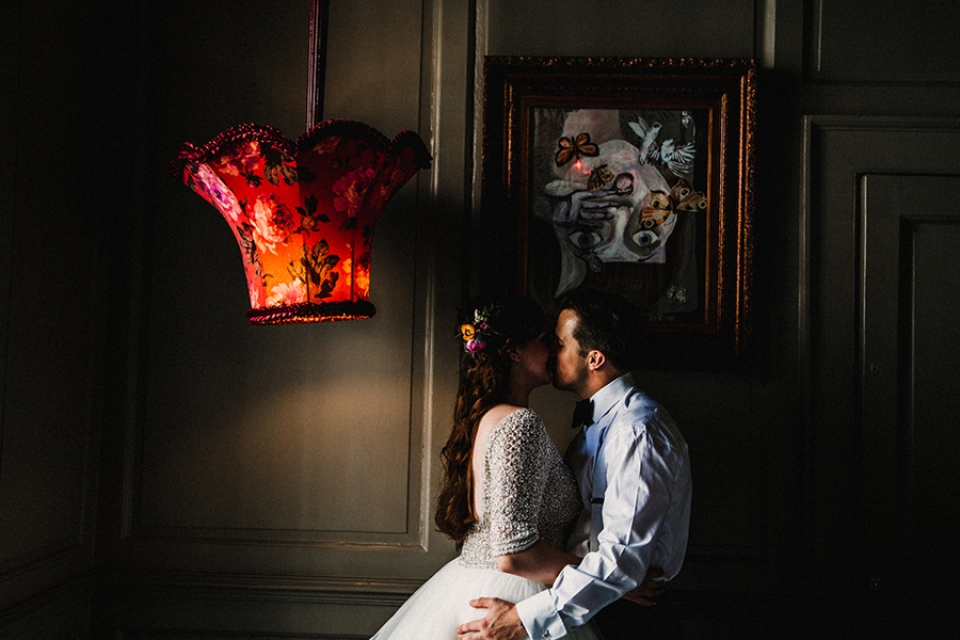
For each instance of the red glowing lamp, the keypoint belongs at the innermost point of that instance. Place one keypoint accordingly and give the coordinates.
(303, 212)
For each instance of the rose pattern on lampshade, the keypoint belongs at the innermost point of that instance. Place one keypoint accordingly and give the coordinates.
(304, 212)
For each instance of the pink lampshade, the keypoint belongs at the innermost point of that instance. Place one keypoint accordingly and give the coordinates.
(303, 213)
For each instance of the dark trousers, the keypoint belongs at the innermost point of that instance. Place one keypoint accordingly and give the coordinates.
(624, 620)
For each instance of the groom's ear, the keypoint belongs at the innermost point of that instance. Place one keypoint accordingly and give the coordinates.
(595, 360)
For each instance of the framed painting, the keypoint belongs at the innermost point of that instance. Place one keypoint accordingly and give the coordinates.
(632, 175)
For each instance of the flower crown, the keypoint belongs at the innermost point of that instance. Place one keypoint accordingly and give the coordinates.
(480, 335)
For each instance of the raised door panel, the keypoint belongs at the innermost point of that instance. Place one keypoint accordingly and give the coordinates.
(857, 295)
(908, 374)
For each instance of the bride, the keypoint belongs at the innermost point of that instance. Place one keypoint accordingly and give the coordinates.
(506, 494)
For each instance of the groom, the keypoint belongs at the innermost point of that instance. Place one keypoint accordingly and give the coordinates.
(634, 473)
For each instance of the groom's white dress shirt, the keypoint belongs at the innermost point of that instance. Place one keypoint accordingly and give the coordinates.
(634, 473)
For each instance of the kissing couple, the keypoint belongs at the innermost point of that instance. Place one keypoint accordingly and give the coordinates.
(575, 546)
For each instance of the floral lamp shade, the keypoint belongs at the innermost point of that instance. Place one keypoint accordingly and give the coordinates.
(303, 212)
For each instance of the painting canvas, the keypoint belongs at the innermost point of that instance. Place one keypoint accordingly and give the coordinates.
(622, 195)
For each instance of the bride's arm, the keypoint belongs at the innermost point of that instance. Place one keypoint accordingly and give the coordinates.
(541, 563)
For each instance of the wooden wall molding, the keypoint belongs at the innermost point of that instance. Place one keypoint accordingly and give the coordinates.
(80, 587)
(314, 588)
(166, 605)
(40, 556)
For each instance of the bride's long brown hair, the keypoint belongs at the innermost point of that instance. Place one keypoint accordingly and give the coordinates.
(501, 324)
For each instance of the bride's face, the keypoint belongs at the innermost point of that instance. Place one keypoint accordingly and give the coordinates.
(533, 359)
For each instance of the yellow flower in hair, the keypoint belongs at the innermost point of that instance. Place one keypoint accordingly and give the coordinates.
(467, 331)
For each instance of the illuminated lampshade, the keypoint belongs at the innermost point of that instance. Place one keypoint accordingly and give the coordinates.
(303, 213)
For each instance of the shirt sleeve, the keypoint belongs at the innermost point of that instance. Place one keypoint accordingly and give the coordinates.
(636, 503)
(515, 481)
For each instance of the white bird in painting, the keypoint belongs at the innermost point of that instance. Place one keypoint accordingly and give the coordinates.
(647, 134)
(678, 159)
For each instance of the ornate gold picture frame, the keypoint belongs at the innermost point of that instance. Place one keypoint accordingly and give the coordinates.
(627, 174)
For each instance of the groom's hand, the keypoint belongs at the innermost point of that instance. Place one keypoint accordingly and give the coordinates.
(501, 622)
(645, 594)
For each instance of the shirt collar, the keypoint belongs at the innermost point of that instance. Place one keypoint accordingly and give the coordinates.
(607, 398)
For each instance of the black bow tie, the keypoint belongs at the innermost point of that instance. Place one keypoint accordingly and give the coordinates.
(583, 414)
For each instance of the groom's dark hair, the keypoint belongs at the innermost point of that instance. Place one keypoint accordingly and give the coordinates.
(609, 323)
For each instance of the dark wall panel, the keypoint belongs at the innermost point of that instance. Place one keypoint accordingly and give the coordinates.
(276, 451)
(52, 294)
(685, 28)
(850, 41)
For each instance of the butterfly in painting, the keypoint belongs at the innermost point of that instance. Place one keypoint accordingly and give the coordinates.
(571, 148)
(600, 177)
(682, 197)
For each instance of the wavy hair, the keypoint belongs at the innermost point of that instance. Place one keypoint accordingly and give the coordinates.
(484, 383)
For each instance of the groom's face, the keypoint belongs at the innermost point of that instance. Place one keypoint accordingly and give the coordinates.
(569, 365)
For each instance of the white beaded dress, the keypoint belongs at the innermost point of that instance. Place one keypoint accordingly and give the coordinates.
(528, 493)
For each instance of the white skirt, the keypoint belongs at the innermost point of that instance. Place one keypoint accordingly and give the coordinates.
(442, 604)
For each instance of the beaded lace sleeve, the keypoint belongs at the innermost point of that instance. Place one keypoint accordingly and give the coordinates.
(515, 476)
